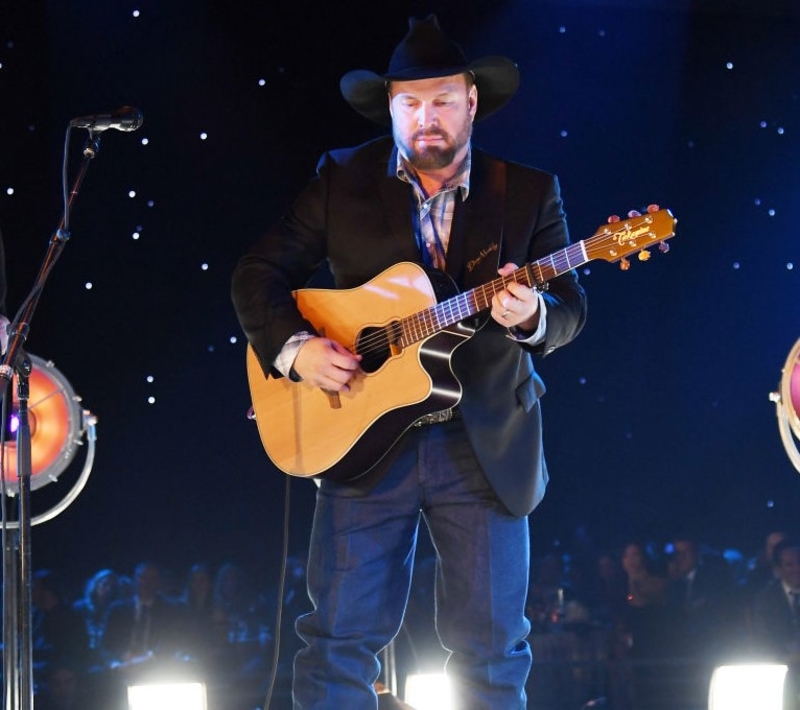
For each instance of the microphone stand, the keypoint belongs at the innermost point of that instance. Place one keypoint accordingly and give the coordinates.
(17, 632)
(17, 640)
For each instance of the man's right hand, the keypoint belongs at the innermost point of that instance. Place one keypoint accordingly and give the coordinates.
(326, 364)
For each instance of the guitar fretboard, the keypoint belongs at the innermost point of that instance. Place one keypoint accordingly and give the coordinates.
(436, 318)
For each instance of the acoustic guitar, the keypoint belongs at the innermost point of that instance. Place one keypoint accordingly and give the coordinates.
(406, 331)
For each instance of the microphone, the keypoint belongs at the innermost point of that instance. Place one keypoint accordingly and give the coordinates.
(126, 118)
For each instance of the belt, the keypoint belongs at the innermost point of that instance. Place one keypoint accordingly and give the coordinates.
(443, 415)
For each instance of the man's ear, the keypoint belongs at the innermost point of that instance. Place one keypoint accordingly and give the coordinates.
(473, 100)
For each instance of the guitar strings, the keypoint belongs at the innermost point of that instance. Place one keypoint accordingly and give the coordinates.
(426, 322)
(418, 325)
(434, 318)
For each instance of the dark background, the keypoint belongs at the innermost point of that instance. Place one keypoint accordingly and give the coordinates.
(657, 418)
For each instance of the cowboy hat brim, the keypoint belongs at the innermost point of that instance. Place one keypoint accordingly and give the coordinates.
(497, 80)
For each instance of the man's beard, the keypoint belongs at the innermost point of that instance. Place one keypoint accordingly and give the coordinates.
(435, 157)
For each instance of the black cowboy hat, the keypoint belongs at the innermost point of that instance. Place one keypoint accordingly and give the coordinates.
(426, 53)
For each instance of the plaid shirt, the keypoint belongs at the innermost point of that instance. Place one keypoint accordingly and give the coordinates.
(434, 215)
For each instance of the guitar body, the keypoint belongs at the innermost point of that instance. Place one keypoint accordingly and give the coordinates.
(307, 431)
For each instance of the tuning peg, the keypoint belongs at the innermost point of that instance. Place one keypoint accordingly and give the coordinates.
(663, 247)
(624, 264)
(644, 255)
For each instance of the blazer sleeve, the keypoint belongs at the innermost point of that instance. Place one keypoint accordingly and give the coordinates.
(282, 260)
(537, 227)
(564, 297)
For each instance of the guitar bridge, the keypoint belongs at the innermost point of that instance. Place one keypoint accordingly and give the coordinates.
(333, 399)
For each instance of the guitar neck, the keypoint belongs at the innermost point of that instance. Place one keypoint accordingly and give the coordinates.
(436, 318)
(611, 242)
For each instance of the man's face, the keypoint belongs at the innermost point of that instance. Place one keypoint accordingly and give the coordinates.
(684, 559)
(432, 120)
(148, 582)
(788, 568)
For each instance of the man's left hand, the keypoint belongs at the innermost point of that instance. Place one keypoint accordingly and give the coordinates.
(517, 304)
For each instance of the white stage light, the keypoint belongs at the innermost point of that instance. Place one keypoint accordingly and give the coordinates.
(167, 696)
(747, 687)
(428, 691)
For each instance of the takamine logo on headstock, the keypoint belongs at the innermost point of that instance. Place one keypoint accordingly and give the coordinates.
(617, 240)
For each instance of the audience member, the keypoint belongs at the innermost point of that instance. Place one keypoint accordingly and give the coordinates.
(64, 687)
(762, 570)
(608, 590)
(198, 602)
(646, 574)
(701, 589)
(546, 596)
(144, 633)
(145, 625)
(645, 633)
(240, 618)
(101, 590)
(57, 630)
(648, 623)
(198, 591)
(776, 609)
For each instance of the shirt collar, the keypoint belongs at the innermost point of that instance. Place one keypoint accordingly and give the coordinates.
(405, 172)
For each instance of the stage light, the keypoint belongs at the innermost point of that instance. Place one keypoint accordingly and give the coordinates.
(747, 687)
(167, 696)
(787, 405)
(57, 426)
(428, 691)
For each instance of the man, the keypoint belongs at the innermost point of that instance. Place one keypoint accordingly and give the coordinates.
(762, 571)
(58, 632)
(473, 474)
(145, 625)
(776, 608)
(703, 593)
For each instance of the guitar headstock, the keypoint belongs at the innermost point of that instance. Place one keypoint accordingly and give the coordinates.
(616, 241)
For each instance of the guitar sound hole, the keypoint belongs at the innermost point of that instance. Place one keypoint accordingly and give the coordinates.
(375, 346)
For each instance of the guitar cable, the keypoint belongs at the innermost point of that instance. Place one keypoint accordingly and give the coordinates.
(281, 591)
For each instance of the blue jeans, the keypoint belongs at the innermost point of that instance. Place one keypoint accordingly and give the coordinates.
(361, 558)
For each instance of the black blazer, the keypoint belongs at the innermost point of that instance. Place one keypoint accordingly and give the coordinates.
(775, 630)
(165, 633)
(356, 215)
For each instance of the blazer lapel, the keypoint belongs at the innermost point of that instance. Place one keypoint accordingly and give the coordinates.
(396, 197)
(473, 253)
(476, 237)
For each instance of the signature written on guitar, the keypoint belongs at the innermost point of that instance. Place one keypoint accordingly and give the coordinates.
(472, 263)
